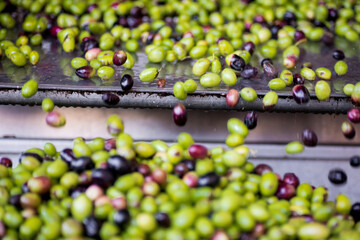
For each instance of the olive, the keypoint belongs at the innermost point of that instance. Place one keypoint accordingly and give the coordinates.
(250, 120)
(301, 94)
(210, 180)
(179, 114)
(110, 98)
(337, 176)
(92, 227)
(119, 165)
(162, 219)
(355, 161)
(126, 82)
(309, 138)
(121, 217)
(102, 177)
(81, 164)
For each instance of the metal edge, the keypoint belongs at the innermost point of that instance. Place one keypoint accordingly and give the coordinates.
(167, 101)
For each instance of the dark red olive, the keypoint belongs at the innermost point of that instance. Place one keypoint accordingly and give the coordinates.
(190, 164)
(250, 120)
(337, 176)
(299, 35)
(249, 46)
(354, 115)
(15, 200)
(259, 18)
(309, 138)
(332, 14)
(355, 161)
(338, 55)
(110, 98)
(88, 43)
(126, 82)
(102, 177)
(180, 170)
(348, 130)
(162, 219)
(54, 30)
(179, 114)
(67, 155)
(144, 169)
(119, 165)
(121, 217)
(262, 168)
(6, 162)
(298, 79)
(289, 17)
(355, 211)
(119, 58)
(85, 72)
(81, 164)
(285, 191)
(198, 151)
(232, 97)
(269, 70)
(249, 72)
(291, 179)
(237, 63)
(110, 144)
(301, 94)
(208, 180)
(328, 38)
(266, 60)
(92, 227)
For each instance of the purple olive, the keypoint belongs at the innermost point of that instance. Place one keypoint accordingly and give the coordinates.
(208, 180)
(249, 72)
(249, 46)
(355, 161)
(15, 200)
(354, 115)
(250, 120)
(309, 138)
(301, 94)
(119, 58)
(198, 151)
(67, 155)
(266, 60)
(262, 168)
(355, 211)
(299, 35)
(338, 55)
(119, 165)
(180, 170)
(88, 43)
(285, 191)
(179, 114)
(110, 98)
(162, 219)
(92, 227)
(190, 164)
(81, 164)
(110, 144)
(85, 72)
(121, 217)
(237, 63)
(6, 162)
(102, 177)
(348, 130)
(269, 70)
(232, 98)
(30, 154)
(337, 176)
(291, 179)
(332, 14)
(298, 79)
(126, 82)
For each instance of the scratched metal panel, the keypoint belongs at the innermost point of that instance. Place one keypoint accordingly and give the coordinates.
(57, 80)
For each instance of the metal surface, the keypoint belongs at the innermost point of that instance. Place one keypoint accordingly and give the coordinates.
(149, 124)
(58, 81)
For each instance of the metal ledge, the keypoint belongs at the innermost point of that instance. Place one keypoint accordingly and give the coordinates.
(167, 101)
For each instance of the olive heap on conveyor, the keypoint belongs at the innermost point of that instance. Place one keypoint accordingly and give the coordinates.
(120, 189)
